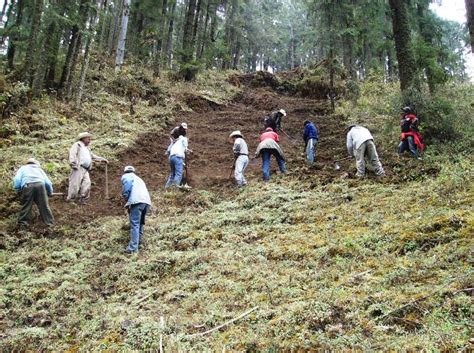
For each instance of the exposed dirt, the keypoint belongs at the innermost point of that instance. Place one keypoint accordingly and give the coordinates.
(209, 164)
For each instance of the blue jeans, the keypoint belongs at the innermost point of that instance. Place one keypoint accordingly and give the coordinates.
(408, 144)
(266, 155)
(176, 174)
(137, 221)
(311, 150)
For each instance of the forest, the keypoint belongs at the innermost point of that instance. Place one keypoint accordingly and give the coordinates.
(318, 258)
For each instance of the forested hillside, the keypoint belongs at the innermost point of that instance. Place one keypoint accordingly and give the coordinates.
(319, 257)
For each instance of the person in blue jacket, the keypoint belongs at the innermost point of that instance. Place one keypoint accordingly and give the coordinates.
(35, 187)
(135, 192)
(311, 137)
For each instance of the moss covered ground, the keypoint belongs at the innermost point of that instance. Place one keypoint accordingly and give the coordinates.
(372, 264)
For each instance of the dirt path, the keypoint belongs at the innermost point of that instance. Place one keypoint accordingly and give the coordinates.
(209, 165)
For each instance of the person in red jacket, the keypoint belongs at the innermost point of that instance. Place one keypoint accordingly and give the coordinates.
(410, 138)
(269, 146)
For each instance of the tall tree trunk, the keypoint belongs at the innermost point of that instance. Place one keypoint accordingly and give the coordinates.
(15, 35)
(4, 10)
(123, 35)
(188, 44)
(203, 39)
(169, 36)
(85, 62)
(102, 25)
(40, 74)
(76, 42)
(470, 20)
(426, 32)
(32, 51)
(159, 41)
(230, 36)
(401, 32)
(114, 26)
(70, 53)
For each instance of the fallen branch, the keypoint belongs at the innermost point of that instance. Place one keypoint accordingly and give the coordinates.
(146, 297)
(463, 290)
(224, 324)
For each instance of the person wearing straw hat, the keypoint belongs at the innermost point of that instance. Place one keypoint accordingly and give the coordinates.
(274, 120)
(135, 193)
(80, 159)
(35, 187)
(241, 157)
(178, 131)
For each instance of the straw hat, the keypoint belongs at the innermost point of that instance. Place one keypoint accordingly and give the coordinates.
(83, 135)
(236, 133)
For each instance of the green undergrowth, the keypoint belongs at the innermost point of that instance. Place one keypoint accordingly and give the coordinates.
(351, 264)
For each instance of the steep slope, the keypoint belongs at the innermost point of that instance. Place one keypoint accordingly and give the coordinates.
(330, 261)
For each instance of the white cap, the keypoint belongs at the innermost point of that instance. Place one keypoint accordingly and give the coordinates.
(236, 133)
(283, 112)
(32, 161)
(184, 125)
(128, 169)
(83, 135)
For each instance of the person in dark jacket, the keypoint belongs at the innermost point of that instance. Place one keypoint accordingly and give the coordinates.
(273, 121)
(311, 137)
(178, 131)
(410, 138)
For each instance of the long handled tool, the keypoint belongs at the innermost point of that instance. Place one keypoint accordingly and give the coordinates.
(292, 139)
(232, 170)
(336, 164)
(57, 194)
(106, 182)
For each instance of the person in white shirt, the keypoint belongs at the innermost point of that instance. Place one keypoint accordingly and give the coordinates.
(176, 153)
(80, 159)
(360, 144)
(241, 155)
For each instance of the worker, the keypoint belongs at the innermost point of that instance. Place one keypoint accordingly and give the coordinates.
(35, 187)
(360, 144)
(176, 153)
(410, 138)
(269, 146)
(135, 193)
(274, 120)
(241, 157)
(178, 131)
(310, 137)
(80, 159)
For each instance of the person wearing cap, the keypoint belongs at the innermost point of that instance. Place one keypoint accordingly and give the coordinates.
(310, 137)
(35, 187)
(269, 146)
(176, 153)
(241, 157)
(410, 138)
(360, 144)
(274, 120)
(80, 160)
(138, 203)
(178, 131)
